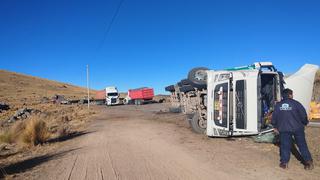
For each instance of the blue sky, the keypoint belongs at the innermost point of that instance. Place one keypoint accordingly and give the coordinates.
(153, 43)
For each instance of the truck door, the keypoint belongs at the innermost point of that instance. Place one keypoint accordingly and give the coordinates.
(218, 123)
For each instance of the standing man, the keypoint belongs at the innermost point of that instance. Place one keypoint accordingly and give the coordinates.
(288, 119)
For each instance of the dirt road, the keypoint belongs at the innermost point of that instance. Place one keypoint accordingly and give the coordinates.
(134, 142)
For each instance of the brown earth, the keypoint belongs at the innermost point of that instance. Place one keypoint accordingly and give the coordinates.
(19, 89)
(143, 142)
(22, 91)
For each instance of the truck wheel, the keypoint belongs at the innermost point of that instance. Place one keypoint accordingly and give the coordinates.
(185, 82)
(125, 101)
(170, 88)
(186, 88)
(198, 126)
(198, 77)
(138, 102)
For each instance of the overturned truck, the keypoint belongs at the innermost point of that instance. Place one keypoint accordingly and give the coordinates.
(237, 101)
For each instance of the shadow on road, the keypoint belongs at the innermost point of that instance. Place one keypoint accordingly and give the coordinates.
(27, 164)
(69, 136)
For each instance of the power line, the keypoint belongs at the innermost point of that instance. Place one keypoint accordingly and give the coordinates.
(110, 24)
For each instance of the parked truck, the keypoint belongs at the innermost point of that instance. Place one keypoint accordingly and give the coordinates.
(139, 96)
(237, 101)
(108, 96)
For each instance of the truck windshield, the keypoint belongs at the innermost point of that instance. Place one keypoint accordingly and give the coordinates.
(112, 94)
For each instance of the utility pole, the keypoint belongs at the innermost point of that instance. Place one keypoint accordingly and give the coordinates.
(88, 87)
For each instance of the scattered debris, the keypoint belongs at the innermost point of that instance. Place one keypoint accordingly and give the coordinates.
(23, 113)
(45, 100)
(59, 99)
(7, 150)
(4, 106)
(265, 138)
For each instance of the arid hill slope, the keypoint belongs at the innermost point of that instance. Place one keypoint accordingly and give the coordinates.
(18, 89)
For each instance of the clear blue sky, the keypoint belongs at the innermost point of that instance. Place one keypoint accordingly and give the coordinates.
(153, 43)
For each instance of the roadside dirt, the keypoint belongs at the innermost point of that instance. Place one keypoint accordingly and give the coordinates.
(32, 97)
(141, 142)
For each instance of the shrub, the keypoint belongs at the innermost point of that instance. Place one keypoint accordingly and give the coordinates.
(35, 132)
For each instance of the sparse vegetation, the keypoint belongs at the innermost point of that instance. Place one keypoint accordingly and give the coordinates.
(6, 137)
(13, 134)
(36, 132)
(31, 132)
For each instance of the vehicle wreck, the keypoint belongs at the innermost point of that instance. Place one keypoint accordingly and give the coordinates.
(237, 101)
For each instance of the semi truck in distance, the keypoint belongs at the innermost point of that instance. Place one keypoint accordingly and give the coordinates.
(108, 96)
(237, 101)
(139, 96)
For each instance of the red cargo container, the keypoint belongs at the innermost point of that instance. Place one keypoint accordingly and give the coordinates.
(100, 95)
(141, 93)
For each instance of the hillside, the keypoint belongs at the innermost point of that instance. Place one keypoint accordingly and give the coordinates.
(21, 89)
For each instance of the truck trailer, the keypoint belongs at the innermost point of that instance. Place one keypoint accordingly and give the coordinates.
(139, 96)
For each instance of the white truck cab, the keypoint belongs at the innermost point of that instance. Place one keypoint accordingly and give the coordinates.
(112, 96)
(240, 98)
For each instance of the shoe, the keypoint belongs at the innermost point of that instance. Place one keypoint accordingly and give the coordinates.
(308, 165)
(283, 165)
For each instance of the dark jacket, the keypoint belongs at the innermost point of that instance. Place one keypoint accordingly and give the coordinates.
(289, 115)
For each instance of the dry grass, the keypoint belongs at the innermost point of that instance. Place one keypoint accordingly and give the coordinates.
(12, 135)
(6, 137)
(31, 132)
(36, 132)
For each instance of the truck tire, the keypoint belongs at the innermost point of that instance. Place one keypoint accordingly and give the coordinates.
(185, 82)
(138, 102)
(186, 88)
(170, 88)
(195, 123)
(125, 101)
(198, 77)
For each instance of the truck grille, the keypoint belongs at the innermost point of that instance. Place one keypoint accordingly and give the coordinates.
(113, 100)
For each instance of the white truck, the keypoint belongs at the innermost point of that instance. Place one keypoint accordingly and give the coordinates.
(112, 96)
(109, 96)
(237, 101)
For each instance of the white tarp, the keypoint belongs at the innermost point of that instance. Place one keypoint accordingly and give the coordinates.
(301, 84)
